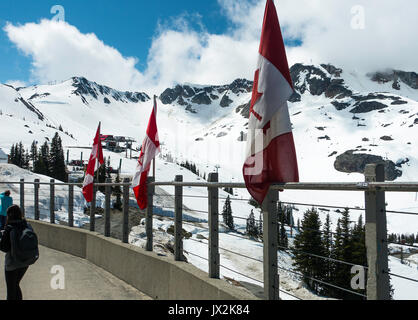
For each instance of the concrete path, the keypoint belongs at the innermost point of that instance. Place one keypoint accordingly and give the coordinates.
(83, 280)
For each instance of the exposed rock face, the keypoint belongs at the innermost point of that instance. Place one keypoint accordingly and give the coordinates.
(397, 76)
(201, 98)
(356, 162)
(85, 88)
(309, 78)
(340, 105)
(337, 90)
(332, 70)
(244, 109)
(205, 95)
(316, 81)
(32, 108)
(367, 106)
(226, 101)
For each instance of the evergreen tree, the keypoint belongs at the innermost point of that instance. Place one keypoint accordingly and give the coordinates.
(252, 229)
(281, 231)
(327, 248)
(260, 224)
(25, 160)
(57, 165)
(309, 240)
(34, 152)
(12, 154)
(343, 251)
(227, 214)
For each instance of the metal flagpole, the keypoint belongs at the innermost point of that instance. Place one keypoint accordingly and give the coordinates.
(153, 160)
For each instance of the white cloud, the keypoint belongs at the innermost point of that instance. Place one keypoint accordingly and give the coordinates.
(180, 53)
(60, 51)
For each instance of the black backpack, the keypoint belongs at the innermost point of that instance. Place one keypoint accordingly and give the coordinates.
(24, 245)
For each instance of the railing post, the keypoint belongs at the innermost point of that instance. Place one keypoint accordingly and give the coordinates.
(271, 276)
(93, 209)
(213, 206)
(22, 196)
(36, 199)
(52, 201)
(71, 205)
(149, 213)
(178, 226)
(125, 227)
(378, 286)
(107, 208)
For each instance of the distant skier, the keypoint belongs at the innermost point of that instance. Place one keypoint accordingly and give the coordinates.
(5, 202)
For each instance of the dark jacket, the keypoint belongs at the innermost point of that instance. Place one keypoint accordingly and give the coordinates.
(6, 243)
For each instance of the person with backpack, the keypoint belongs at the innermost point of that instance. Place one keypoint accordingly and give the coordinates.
(20, 243)
(5, 202)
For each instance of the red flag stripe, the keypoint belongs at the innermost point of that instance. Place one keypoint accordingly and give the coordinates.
(271, 44)
(279, 165)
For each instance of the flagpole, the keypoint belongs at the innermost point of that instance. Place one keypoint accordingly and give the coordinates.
(153, 160)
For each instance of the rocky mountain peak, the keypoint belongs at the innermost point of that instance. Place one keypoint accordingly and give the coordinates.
(85, 88)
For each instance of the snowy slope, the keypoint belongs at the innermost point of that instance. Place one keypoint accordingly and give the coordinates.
(204, 124)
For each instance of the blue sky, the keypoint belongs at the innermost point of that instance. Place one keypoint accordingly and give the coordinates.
(150, 45)
(127, 25)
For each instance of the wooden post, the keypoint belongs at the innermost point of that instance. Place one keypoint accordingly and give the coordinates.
(22, 196)
(125, 227)
(213, 206)
(68, 156)
(149, 214)
(36, 199)
(107, 209)
(120, 165)
(378, 286)
(81, 158)
(71, 205)
(93, 209)
(271, 277)
(178, 225)
(52, 201)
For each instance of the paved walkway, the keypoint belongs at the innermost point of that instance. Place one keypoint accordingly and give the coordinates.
(83, 280)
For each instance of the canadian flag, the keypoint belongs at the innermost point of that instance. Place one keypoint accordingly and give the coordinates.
(271, 154)
(96, 159)
(150, 149)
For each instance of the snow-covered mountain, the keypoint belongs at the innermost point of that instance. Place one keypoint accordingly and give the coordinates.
(341, 120)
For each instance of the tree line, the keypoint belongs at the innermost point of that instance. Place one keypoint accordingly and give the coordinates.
(48, 160)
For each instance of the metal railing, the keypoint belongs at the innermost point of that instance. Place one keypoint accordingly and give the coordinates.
(374, 188)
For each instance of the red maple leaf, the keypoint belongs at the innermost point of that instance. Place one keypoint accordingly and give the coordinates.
(255, 96)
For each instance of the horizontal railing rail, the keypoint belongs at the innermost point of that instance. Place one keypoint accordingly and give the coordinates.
(375, 211)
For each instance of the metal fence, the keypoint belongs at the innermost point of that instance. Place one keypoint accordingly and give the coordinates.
(61, 196)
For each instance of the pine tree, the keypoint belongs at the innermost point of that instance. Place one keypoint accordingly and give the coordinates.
(34, 152)
(227, 214)
(57, 160)
(309, 240)
(260, 224)
(327, 248)
(343, 251)
(281, 231)
(252, 229)
(12, 154)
